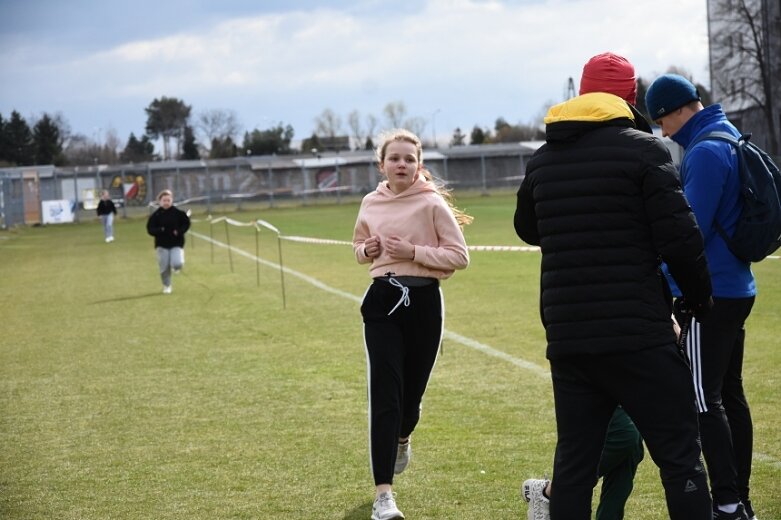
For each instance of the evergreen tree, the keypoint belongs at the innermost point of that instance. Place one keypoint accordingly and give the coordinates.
(138, 151)
(477, 136)
(20, 141)
(4, 144)
(223, 148)
(47, 142)
(167, 118)
(311, 143)
(266, 142)
(189, 147)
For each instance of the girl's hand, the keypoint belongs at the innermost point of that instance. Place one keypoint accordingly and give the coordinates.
(372, 247)
(400, 248)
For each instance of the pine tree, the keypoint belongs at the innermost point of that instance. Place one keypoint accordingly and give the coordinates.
(47, 141)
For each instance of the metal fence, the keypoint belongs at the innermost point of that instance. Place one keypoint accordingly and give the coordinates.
(40, 194)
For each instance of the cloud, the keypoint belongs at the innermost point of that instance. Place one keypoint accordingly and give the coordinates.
(476, 60)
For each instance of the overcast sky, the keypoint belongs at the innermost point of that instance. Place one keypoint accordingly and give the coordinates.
(454, 63)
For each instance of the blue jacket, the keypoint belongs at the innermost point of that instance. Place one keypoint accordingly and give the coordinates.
(711, 183)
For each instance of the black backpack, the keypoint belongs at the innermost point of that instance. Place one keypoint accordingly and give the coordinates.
(758, 230)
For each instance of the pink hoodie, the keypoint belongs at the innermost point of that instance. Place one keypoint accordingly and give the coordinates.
(420, 215)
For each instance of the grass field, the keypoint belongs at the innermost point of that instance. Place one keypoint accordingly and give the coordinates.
(119, 402)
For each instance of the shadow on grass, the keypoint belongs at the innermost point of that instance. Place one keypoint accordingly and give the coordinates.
(361, 512)
(127, 298)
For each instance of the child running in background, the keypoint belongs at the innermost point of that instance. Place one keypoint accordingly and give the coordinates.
(410, 233)
(168, 225)
(106, 211)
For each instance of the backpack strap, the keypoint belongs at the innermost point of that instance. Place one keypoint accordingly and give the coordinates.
(737, 143)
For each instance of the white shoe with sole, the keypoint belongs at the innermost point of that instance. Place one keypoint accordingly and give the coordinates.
(539, 505)
(384, 508)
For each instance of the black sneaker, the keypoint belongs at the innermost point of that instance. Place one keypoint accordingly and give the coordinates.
(739, 514)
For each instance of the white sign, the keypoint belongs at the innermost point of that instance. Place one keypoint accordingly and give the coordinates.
(56, 211)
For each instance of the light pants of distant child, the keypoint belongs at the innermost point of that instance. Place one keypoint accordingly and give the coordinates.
(169, 260)
(108, 225)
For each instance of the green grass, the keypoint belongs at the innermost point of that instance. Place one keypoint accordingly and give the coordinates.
(215, 402)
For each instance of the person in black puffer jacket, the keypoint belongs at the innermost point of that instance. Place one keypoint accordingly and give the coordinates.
(603, 201)
(168, 224)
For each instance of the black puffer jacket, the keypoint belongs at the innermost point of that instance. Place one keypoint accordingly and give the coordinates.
(604, 201)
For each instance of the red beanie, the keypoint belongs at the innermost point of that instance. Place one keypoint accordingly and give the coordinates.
(610, 73)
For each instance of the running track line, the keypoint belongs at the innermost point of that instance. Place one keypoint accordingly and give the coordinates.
(463, 340)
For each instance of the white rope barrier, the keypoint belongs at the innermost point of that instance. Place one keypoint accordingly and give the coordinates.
(309, 240)
(327, 241)
(525, 249)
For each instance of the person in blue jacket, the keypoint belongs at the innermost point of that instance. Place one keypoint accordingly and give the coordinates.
(711, 183)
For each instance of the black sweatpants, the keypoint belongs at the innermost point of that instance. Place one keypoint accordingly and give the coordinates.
(715, 349)
(401, 349)
(655, 389)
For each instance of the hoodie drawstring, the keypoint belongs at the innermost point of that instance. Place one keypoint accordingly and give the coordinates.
(404, 294)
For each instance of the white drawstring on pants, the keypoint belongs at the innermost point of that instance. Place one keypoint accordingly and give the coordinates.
(404, 294)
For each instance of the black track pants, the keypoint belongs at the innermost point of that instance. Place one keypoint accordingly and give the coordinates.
(401, 350)
(654, 387)
(715, 349)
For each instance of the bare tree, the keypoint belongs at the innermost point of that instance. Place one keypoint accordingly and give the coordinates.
(328, 124)
(745, 59)
(217, 124)
(109, 153)
(371, 125)
(416, 125)
(354, 122)
(395, 112)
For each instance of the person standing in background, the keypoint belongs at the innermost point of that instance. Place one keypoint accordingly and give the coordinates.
(106, 211)
(603, 200)
(711, 182)
(168, 224)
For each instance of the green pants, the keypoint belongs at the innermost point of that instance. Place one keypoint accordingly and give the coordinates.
(621, 455)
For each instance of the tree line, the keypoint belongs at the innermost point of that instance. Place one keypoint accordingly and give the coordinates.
(214, 134)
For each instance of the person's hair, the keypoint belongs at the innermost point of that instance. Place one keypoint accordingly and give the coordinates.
(403, 135)
(165, 192)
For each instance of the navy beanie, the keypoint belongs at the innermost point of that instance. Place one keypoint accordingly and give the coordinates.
(667, 93)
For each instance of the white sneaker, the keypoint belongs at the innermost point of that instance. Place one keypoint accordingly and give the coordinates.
(167, 289)
(403, 457)
(539, 506)
(384, 508)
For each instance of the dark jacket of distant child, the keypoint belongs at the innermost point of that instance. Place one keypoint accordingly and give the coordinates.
(168, 226)
(106, 207)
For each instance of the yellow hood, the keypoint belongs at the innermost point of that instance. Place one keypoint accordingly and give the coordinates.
(594, 107)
